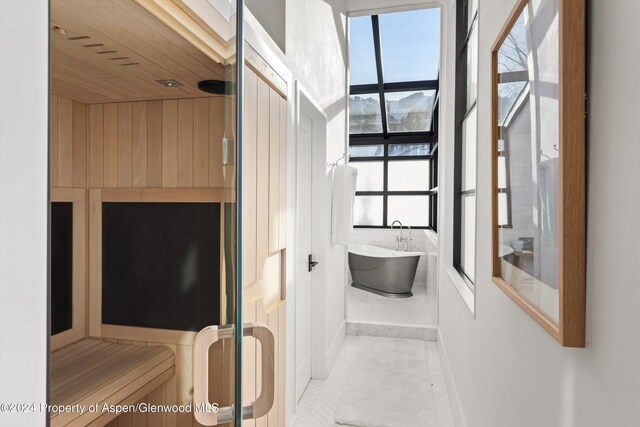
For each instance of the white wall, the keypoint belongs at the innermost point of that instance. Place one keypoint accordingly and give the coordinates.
(24, 32)
(430, 248)
(508, 371)
(271, 15)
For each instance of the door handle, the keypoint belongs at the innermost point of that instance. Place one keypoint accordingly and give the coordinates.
(210, 415)
(264, 402)
(312, 263)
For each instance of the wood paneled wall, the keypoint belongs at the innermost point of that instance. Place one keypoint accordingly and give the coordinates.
(264, 191)
(68, 143)
(157, 144)
(177, 144)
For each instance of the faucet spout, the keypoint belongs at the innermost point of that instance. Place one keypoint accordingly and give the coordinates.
(398, 222)
(399, 239)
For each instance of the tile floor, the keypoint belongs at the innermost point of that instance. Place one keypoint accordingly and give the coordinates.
(363, 306)
(318, 403)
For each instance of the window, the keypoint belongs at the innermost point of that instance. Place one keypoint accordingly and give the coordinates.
(504, 187)
(513, 96)
(466, 140)
(393, 114)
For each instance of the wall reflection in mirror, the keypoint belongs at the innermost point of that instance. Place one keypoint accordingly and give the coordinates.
(528, 156)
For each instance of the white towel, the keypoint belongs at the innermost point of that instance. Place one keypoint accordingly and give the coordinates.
(344, 191)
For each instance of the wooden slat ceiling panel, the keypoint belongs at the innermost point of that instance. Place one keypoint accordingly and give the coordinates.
(120, 32)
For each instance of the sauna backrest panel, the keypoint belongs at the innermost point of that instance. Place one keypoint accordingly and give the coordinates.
(61, 266)
(161, 265)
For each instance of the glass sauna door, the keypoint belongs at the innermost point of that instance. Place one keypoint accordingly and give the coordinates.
(146, 191)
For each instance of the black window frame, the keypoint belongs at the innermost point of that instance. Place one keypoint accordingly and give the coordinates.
(386, 138)
(465, 25)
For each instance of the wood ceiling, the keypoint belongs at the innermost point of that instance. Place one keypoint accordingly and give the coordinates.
(115, 51)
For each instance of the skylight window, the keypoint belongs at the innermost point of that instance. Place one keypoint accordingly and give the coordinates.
(393, 108)
(364, 114)
(395, 56)
(410, 111)
(410, 45)
(362, 54)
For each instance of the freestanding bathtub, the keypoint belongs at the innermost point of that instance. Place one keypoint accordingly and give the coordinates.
(383, 271)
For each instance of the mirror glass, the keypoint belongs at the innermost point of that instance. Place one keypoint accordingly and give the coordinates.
(528, 156)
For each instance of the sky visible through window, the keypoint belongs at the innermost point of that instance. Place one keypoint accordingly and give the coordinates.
(362, 55)
(410, 47)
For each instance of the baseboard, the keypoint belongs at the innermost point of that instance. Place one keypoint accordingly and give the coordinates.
(454, 398)
(334, 348)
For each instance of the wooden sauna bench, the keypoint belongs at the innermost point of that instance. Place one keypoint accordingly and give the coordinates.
(92, 371)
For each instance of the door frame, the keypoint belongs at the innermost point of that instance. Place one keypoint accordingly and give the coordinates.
(305, 102)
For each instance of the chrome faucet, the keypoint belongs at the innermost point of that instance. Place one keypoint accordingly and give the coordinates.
(400, 240)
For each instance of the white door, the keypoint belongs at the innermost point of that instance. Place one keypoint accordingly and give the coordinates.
(303, 245)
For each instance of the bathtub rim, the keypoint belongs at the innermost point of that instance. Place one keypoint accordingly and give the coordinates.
(380, 252)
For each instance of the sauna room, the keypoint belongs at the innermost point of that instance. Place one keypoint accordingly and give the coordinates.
(143, 214)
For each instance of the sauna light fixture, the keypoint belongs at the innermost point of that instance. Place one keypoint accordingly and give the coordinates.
(169, 83)
(217, 87)
(59, 30)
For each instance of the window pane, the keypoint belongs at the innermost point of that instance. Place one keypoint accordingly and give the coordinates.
(508, 95)
(364, 114)
(410, 111)
(409, 175)
(502, 172)
(367, 210)
(366, 151)
(409, 150)
(503, 209)
(409, 210)
(513, 53)
(410, 45)
(370, 175)
(468, 237)
(472, 8)
(469, 151)
(362, 57)
(472, 67)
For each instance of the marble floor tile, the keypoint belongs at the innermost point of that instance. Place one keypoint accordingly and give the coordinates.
(318, 404)
(363, 306)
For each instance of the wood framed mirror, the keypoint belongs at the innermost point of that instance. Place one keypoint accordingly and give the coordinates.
(538, 160)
